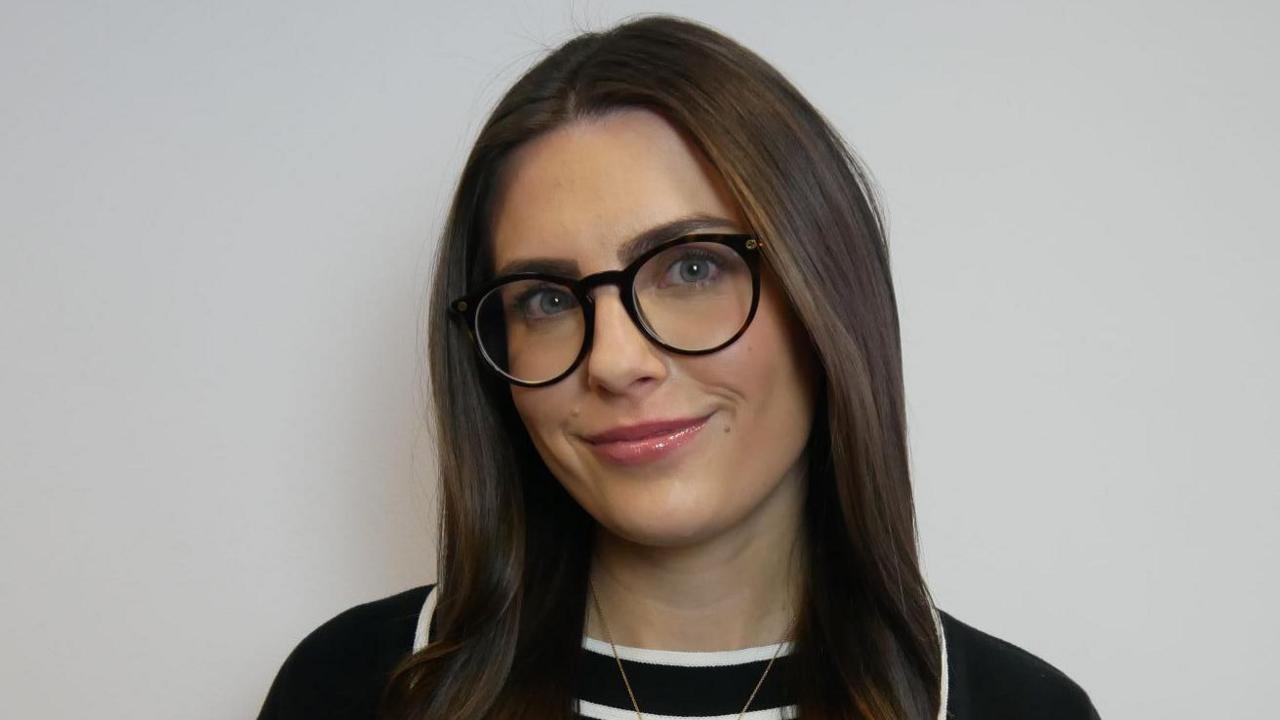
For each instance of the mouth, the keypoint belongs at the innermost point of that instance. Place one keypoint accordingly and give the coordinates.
(645, 443)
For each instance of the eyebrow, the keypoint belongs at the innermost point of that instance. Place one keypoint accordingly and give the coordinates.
(628, 251)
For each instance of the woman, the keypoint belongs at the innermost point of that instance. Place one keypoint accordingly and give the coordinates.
(671, 429)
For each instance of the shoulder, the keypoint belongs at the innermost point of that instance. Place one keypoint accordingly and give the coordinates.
(338, 669)
(991, 677)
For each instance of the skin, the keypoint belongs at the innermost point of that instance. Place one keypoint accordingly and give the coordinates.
(700, 550)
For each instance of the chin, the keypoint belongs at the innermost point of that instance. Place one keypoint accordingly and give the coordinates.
(663, 526)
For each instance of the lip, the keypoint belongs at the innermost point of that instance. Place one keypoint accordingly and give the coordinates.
(641, 431)
(645, 442)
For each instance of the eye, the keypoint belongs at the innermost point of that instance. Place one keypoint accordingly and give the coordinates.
(544, 301)
(695, 266)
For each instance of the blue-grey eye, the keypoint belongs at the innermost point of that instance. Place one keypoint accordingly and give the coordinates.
(694, 267)
(545, 301)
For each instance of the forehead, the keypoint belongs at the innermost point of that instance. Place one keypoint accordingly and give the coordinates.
(581, 190)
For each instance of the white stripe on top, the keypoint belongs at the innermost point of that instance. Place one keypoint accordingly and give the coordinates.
(688, 658)
(606, 712)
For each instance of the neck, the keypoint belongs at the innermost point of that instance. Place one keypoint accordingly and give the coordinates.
(740, 588)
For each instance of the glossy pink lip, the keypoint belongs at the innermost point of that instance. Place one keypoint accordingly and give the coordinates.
(635, 444)
(643, 430)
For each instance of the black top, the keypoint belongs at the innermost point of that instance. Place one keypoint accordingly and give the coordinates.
(337, 671)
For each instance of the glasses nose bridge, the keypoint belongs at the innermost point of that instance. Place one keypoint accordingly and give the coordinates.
(622, 280)
(608, 277)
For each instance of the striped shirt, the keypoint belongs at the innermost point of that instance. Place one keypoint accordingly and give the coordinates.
(338, 670)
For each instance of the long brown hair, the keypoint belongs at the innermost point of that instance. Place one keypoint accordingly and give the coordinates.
(515, 547)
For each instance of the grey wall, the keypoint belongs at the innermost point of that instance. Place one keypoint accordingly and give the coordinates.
(216, 222)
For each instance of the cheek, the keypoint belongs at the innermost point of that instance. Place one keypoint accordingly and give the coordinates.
(770, 375)
(766, 369)
(544, 412)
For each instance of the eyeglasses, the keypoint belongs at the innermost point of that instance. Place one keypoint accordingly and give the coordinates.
(692, 295)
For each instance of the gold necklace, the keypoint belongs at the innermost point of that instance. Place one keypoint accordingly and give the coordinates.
(608, 636)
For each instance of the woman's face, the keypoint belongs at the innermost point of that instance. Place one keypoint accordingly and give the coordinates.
(576, 194)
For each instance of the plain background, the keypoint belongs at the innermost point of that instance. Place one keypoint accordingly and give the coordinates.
(216, 230)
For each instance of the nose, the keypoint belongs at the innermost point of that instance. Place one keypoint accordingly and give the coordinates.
(622, 359)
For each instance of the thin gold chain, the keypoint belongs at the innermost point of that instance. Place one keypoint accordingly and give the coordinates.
(609, 636)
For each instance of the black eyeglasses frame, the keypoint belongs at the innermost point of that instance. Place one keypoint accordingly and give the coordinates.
(748, 246)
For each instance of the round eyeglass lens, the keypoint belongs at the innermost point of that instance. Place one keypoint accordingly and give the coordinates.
(531, 330)
(695, 296)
